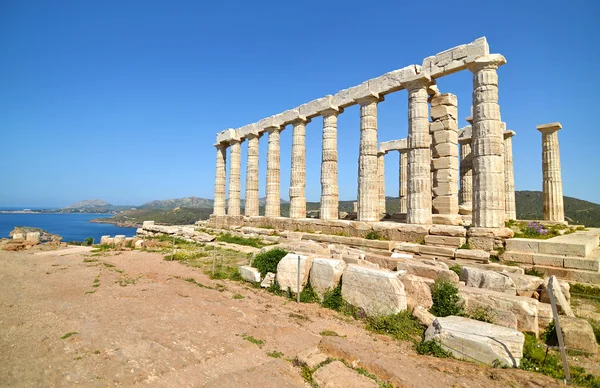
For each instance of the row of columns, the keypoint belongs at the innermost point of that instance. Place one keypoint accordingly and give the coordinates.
(488, 194)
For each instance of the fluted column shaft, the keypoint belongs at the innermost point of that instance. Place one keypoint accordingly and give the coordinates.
(329, 167)
(298, 175)
(234, 178)
(419, 155)
(510, 210)
(368, 182)
(403, 184)
(552, 185)
(466, 173)
(272, 207)
(381, 179)
(252, 203)
(487, 145)
(220, 180)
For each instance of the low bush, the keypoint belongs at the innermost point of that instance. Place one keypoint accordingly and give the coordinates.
(373, 236)
(308, 295)
(332, 298)
(401, 326)
(433, 348)
(534, 272)
(251, 242)
(446, 300)
(267, 261)
(483, 314)
(456, 269)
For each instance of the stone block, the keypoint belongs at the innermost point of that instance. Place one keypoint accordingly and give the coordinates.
(522, 245)
(439, 111)
(439, 252)
(470, 339)
(562, 304)
(226, 136)
(447, 219)
(287, 272)
(348, 97)
(315, 107)
(440, 137)
(448, 230)
(578, 334)
(33, 237)
(484, 243)
(445, 99)
(446, 162)
(576, 244)
(337, 375)
(591, 264)
(444, 149)
(547, 260)
(428, 271)
(454, 242)
(417, 291)
(18, 236)
(394, 80)
(311, 357)
(423, 315)
(325, 274)
(249, 274)
(394, 145)
(527, 285)
(472, 254)
(517, 257)
(407, 247)
(491, 280)
(446, 175)
(445, 188)
(376, 291)
(268, 281)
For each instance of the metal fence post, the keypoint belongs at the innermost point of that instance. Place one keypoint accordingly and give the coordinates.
(561, 344)
(298, 289)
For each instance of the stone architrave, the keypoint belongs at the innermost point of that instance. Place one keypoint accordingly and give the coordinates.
(234, 177)
(487, 144)
(510, 209)
(403, 184)
(381, 179)
(220, 180)
(298, 175)
(419, 153)
(465, 193)
(554, 209)
(329, 166)
(273, 205)
(252, 201)
(368, 182)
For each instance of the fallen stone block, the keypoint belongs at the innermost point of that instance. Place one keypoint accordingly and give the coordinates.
(417, 291)
(396, 255)
(18, 236)
(287, 272)
(376, 291)
(268, 281)
(448, 230)
(470, 339)
(325, 274)
(491, 280)
(407, 247)
(545, 315)
(249, 274)
(447, 241)
(472, 254)
(443, 252)
(527, 285)
(337, 375)
(423, 315)
(312, 357)
(578, 334)
(562, 304)
(33, 237)
(139, 244)
(428, 271)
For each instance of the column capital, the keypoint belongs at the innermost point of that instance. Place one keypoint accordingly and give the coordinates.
(221, 145)
(549, 128)
(331, 111)
(508, 134)
(417, 81)
(381, 153)
(490, 61)
(300, 120)
(273, 129)
(369, 98)
(253, 135)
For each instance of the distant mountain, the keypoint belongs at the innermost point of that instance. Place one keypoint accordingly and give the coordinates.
(189, 202)
(90, 203)
(577, 211)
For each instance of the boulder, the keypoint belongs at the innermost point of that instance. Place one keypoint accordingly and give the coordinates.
(337, 375)
(268, 281)
(428, 271)
(104, 240)
(578, 334)
(564, 287)
(34, 237)
(326, 274)
(527, 285)
(424, 317)
(470, 339)
(417, 291)
(480, 278)
(378, 292)
(312, 357)
(287, 272)
(525, 309)
(119, 240)
(562, 304)
(139, 244)
(249, 274)
(18, 236)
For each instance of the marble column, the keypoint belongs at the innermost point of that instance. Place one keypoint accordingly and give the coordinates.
(510, 210)
(329, 167)
(487, 144)
(220, 180)
(298, 175)
(233, 208)
(273, 205)
(402, 185)
(368, 182)
(252, 203)
(554, 209)
(381, 179)
(466, 172)
(419, 153)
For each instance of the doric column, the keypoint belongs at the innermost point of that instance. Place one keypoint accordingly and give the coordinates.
(272, 207)
(554, 209)
(403, 181)
(487, 144)
(419, 154)
(381, 179)
(234, 177)
(298, 175)
(465, 193)
(329, 166)
(510, 211)
(368, 182)
(220, 180)
(252, 203)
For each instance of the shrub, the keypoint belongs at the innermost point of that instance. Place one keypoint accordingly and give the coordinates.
(465, 246)
(267, 261)
(401, 326)
(456, 268)
(596, 327)
(88, 241)
(433, 348)
(446, 300)
(483, 314)
(534, 272)
(332, 298)
(252, 242)
(308, 295)
(373, 236)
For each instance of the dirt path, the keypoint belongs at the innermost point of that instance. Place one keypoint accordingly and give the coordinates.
(137, 320)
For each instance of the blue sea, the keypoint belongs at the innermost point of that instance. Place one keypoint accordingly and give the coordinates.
(71, 227)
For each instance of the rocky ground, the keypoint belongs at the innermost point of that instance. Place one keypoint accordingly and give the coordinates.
(125, 318)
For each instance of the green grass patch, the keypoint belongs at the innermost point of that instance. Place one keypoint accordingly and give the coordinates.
(231, 239)
(101, 248)
(373, 235)
(308, 295)
(401, 326)
(465, 246)
(329, 333)
(90, 260)
(238, 296)
(69, 335)
(534, 272)
(267, 261)
(255, 341)
(483, 314)
(433, 348)
(457, 269)
(275, 354)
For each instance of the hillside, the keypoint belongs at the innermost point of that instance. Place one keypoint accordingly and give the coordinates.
(187, 202)
(577, 211)
(90, 203)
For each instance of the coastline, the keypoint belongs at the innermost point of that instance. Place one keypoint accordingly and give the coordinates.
(122, 224)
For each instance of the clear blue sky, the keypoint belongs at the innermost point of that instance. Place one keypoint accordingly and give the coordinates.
(121, 100)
